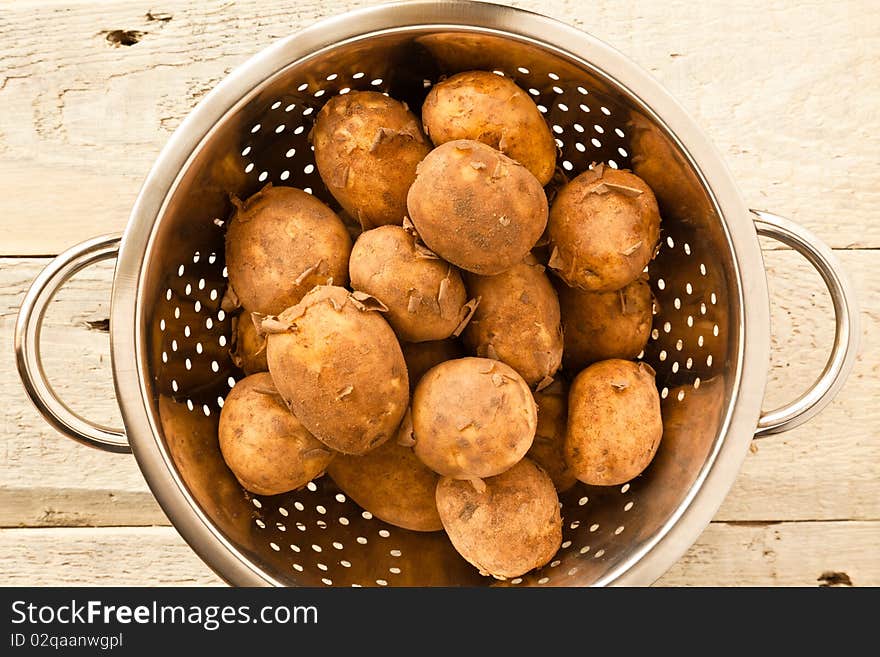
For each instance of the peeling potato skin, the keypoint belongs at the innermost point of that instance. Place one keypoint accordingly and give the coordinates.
(492, 109)
(422, 356)
(614, 424)
(517, 320)
(425, 296)
(265, 446)
(601, 242)
(476, 207)
(602, 325)
(274, 238)
(548, 448)
(249, 352)
(472, 417)
(367, 146)
(392, 484)
(340, 369)
(510, 528)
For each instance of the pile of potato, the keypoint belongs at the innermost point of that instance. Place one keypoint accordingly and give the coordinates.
(434, 368)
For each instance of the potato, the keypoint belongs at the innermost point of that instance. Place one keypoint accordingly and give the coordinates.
(517, 320)
(265, 446)
(422, 356)
(248, 347)
(425, 296)
(602, 325)
(507, 529)
(614, 424)
(339, 367)
(476, 207)
(472, 418)
(548, 449)
(367, 146)
(392, 484)
(282, 242)
(603, 228)
(489, 108)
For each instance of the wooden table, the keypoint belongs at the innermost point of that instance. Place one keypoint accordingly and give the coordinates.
(785, 89)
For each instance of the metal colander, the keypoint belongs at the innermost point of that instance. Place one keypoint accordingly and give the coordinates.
(171, 339)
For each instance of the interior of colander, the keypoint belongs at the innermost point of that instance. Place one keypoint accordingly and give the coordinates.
(316, 535)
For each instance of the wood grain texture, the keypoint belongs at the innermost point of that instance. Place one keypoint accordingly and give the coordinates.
(83, 118)
(784, 554)
(118, 556)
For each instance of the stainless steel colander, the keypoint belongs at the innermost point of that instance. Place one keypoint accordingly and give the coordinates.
(170, 337)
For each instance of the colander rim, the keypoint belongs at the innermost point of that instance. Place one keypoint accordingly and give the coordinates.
(128, 345)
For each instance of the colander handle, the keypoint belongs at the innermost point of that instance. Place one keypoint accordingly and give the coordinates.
(846, 324)
(27, 345)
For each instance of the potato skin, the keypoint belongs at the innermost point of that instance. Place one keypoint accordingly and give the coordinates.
(367, 146)
(517, 320)
(472, 417)
(492, 109)
(508, 529)
(614, 424)
(339, 368)
(422, 356)
(476, 207)
(392, 484)
(602, 237)
(282, 242)
(602, 325)
(425, 296)
(249, 348)
(548, 449)
(265, 446)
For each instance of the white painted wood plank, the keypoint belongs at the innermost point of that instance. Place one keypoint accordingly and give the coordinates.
(786, 554)
(119, 556)
(82, 121)
(38, 506)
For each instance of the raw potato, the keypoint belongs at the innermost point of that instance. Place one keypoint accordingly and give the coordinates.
(266, 447)
(517, 321)
(489, 108)
(477, 208)
(282, 242)
(614, 424)
(472, 418)
(422, 356)
(249, 347)
(392, 484)
(338, 365)
(548, 449)
(602, 325)
(425, 296)
(603, 228)
(509, 528)
(367, 146)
